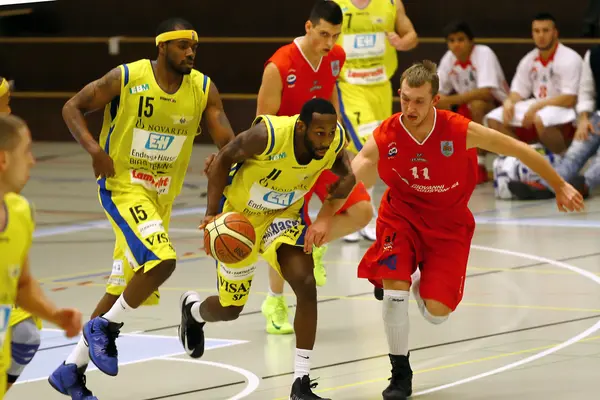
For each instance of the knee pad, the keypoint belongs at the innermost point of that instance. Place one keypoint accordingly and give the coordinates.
(25, 343)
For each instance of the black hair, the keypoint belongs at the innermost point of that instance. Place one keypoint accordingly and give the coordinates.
(544, 16)
(315, 105)
(9, 131)
(457, 27)
(326, 10)
(173, 24)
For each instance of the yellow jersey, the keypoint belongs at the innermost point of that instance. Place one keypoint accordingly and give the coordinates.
(149, 133)
(370, 58)
(15, 240)
(274, 180)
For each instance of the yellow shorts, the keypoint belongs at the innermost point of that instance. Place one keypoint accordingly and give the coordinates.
(363, 108)
(272, 230)
(19, 315)
(140, 225)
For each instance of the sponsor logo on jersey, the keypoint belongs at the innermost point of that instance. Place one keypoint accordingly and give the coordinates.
(447, 147)
(279, 156)
(418, 158)
(315, 86)
(366, 41)
(181, 119)
(158, 184)
(139, 88)
(335, 67)
(291, 78)
(279, 198)
(157, 141)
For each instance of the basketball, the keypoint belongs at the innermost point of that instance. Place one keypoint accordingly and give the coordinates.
(229, 237)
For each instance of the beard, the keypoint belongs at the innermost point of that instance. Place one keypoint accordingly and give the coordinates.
(312, 150)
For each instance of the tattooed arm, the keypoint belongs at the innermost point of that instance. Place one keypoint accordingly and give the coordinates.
(216, 121)
(92, 97)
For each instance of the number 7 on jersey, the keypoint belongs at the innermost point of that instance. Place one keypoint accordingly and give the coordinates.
(424, 173)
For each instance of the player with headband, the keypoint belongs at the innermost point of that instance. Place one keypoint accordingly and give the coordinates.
(152, 114)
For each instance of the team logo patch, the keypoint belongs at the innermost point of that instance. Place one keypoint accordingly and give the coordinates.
(291, 79)
(447, 147)
(335, 67)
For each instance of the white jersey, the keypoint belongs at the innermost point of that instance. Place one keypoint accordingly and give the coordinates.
(482, 70)
(558, 75)
(508, 169)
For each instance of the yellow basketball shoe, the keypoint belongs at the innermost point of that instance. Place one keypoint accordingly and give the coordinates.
(320, 272)
(275, 310)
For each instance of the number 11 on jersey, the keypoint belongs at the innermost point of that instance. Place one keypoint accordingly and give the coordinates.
(424, 173)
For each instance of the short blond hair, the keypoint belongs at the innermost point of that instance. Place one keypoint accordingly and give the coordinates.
(420, 73)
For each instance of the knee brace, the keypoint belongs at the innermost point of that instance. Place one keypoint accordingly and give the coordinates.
(24, 345)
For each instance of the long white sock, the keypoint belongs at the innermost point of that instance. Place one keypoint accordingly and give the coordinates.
(115, 314)
(80, 355)
(302, 363)
(395, 320)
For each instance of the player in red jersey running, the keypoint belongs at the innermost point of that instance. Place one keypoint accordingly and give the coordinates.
(428, 160)
(304, 69)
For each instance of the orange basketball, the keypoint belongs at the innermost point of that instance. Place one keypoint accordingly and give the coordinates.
(229, 237)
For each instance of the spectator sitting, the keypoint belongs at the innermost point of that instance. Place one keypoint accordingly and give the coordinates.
(586, 143)
(551, 74)
(471, 79)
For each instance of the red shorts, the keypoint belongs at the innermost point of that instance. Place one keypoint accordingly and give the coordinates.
(321, 189)
(401, 247)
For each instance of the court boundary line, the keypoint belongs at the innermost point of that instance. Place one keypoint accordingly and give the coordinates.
(575, 339)
(253, 381)
(537, 356)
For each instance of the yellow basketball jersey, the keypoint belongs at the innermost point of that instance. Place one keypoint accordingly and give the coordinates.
(370, 58)
(274, 180)
(149, 133)
(15, 241)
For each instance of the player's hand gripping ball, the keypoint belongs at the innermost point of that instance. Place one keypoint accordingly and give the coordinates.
(229, 237)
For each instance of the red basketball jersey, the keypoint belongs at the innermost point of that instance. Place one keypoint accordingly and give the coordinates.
(301, 82)
(434, 178)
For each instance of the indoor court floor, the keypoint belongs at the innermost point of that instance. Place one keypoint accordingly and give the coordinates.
(528, 326)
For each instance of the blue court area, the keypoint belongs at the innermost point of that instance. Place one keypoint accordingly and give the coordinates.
(133, 348)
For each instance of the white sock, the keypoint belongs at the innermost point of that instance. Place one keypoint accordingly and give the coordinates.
(395, 320)
(302, 363)
(195, 310)
(115, 314)
(80, 355)
(273, 294)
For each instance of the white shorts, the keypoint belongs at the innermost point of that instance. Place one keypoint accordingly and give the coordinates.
(550, 115)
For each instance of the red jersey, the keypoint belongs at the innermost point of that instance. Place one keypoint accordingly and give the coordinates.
(433, 179)
(301, 82)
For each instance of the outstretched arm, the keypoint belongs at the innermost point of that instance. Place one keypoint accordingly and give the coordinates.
(364, 164)
(216, 120)
(92, 97)
(491, 140)
(243, 146)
